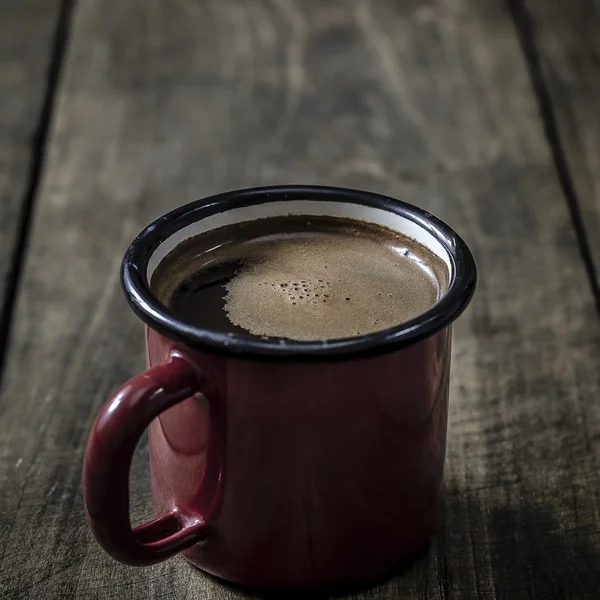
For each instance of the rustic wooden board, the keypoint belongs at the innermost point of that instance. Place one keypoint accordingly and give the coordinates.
(166, 101)
(26, 47)
(565, 38)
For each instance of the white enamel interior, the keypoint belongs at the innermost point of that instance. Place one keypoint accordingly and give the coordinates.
(302, 207)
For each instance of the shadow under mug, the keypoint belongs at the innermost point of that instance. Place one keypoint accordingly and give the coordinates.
(278, 463)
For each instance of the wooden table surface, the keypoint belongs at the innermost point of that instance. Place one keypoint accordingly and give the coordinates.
(485, 112)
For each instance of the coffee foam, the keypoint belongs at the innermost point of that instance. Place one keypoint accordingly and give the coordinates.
(307, 278)
(324, 287)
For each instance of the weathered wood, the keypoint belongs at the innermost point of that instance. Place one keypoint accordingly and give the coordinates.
(26, 33)
(566, 39)
(166, 101)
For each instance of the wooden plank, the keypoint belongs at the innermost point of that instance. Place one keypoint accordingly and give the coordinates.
(163, 102)
(565, 38)
(27, 29)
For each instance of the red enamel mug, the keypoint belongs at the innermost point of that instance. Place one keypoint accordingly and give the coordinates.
(278, 463)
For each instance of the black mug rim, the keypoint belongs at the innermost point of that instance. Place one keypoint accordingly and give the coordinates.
(442, 314)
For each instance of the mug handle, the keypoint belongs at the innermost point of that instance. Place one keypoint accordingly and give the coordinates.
(112, 441)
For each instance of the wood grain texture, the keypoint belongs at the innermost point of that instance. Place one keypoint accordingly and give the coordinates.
(567, 42)
(26, 32)
(163, 102)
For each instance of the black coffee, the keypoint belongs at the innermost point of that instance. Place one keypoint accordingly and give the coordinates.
(299, 277)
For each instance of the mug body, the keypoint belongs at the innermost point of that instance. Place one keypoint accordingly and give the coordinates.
(329, 473)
